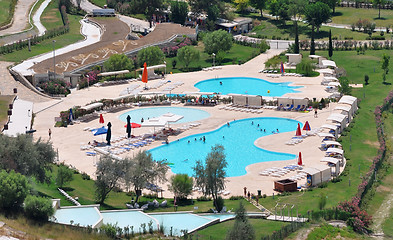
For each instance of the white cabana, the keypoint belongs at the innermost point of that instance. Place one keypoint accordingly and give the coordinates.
(349, 100)
(347, 109)
(335, 150)
(330, 79)
(335, 162)
(317, 174)
(239, 99)
(333, 143)
(104, 74)
(334, 84)
(92, 106)
(294, 57)
(336, 117)
(331, 127)
(329, 63)
(326, 71)
(150, 70)
(299, 101)
(326, 135)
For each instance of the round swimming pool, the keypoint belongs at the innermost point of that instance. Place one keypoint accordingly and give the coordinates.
(245, 85)
(238, 140)
(189, 114)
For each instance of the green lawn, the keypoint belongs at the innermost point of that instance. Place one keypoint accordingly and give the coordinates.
(51, 17)
(237, 52)
(46, 46)
(327, 231)
(4, 101)
(4, 10)
(99, 3)
(348, 16)
(219, 231)
(271, 29)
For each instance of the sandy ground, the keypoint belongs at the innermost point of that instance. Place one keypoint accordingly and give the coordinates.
(21, 17)
(68, 140)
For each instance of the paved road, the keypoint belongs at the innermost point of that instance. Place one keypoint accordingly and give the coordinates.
(21, 18)
(7, 84)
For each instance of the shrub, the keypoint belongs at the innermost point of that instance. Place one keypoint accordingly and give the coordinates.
(216, 41)
(64, 175)
(305, 67)
(204, 198)
(13, 190)
(219, 204)
(181, 185)
(38, 208)
(236, 198)
(264, 46)
(56, 86)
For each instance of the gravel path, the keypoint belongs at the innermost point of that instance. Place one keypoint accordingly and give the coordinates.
(380, 216)
(21, 17)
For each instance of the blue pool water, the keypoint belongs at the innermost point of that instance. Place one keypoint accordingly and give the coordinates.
(180, 221)
(245, 85)
(129, 218)
(84, 216)
(238, 140)
(222, 217)
(190, 114)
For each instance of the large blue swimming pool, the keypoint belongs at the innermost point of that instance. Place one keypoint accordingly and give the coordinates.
(245, 85)
(189, 114)
(238, 140)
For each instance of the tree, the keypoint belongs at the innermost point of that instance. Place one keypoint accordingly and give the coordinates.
(109, 173)
(385, 63)
(366, 78)
(242, 229)
(280, 9)
(330, 44)
(296, 48)
(13, 190)
(318, 13)
(38, 208)
(344, 87)
(27, 157)
(152, 7)
(181, 185)
(379, 4)
(142, 170)
(219, 58)
(188, 54)
(118, 62)
(296, 9)
(322, 201)
(151, 55)
(331, 3)
(306, 67)
(241, 5)
(201, 6)
(259, 4)
(263, 46)
(210, 177)
(64, 175)
(179, 11)
(216, 41)
(312, 47)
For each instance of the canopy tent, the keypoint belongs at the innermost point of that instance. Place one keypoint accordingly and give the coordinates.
(104, 74)
(92, 106)
(317, 174)
(152, 67)
(329, 63)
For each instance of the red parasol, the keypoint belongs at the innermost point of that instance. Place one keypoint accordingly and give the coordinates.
(144, 74)
(134, 125)
(298, 131)
(299, 160)
(306, 126)
(101, 119)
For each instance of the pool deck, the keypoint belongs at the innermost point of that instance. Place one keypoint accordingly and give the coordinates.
(68, 140)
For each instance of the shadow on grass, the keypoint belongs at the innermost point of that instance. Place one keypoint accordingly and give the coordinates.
(337, 14)
(381, 18)
(386, 83)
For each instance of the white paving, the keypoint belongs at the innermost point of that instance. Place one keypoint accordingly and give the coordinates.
(37, 16)
(20, 119)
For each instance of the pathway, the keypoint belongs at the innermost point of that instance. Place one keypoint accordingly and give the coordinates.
(21, 17)
(37, 17)
(380, 216)
(20, 119)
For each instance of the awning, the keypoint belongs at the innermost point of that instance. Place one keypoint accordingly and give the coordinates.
(343, 108)
(331, 79)
(334, 84)
(310, 171)
(336, 117)
(329, 126)
(113, 73)
(335, 150)
(328, 63)
(152, 67)
(347, 100)
(332, 143)
(322, 134)
(92, 106)
(330, 160)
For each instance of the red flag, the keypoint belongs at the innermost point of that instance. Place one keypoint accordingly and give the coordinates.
(299, 160)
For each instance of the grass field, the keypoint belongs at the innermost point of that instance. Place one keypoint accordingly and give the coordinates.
(237, 52)
(219, 231)
(46, 46)
(99, 3)
(327, 231)
(51, 17)
(4, 101)
(4, 10)
(348, 16)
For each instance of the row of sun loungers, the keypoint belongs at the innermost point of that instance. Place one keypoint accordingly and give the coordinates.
(273, 75)
(71, 199)
(173, 86)
(241, 109)
(294, 140)
(279, 172)
(158, 84)
(211, 68)
(268, 71)
(291, 107)
(129, 89)
(188, 126)
(298, 176)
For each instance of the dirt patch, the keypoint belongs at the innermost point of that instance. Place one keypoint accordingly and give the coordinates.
(6, 100)
(374, 144)
(113, 41)
(383, 189)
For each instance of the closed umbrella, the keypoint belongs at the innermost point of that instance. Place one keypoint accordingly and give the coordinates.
(128, 126)
(306, 126)
(298, 131)
(133, 125)
(299, 160)
(109, 134)
(101, 119)
(282, 70)
(144, 74)
(71, 116)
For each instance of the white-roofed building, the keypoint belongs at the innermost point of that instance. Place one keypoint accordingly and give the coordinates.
(339, 119)
(333, 162)
(349, 100)
(317, 174)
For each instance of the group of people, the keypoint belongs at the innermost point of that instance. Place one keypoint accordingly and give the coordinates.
(264, 130)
